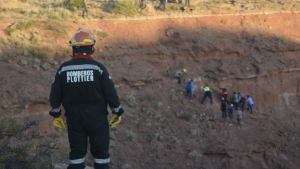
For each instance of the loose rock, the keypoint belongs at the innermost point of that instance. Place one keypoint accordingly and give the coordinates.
(194, 155)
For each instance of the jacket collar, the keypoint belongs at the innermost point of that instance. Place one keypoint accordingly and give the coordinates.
(82, 56)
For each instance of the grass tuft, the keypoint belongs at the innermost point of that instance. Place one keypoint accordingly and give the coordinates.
(19, 26)
(35, 37)
(125, 7)
(74, 4)
(100, 34)
(10, 127)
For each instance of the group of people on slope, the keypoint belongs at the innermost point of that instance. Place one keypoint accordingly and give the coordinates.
(190, 87)
(235, 102)
(229, 103)
(190, 90)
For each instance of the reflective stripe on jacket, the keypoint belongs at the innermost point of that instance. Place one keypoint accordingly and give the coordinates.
(206, 89)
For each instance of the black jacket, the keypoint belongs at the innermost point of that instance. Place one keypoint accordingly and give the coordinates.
(84, 82)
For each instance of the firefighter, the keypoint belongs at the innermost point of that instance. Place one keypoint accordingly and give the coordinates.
(84, 88)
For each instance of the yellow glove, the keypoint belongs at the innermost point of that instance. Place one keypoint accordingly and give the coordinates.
(114, 121)
(58, 122)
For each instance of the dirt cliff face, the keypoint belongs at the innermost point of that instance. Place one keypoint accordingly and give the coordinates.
(256, 55)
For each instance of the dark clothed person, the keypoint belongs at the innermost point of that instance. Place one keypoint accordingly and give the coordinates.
(250, 104)
(239, 117)
(189, 88)
(230, 113)
(224, 108)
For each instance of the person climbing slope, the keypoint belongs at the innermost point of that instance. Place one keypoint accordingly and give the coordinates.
(179, 75)
(223, 108)
(207, 93)
(239, 117)
(250, 103)
(230, 114)
(189, 88)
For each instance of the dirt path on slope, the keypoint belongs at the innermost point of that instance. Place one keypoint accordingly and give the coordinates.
(149, 30)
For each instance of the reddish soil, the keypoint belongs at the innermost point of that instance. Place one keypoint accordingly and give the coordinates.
(257, 55)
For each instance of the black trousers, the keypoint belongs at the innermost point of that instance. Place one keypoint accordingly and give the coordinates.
(209, 95)
(86, 123)
(223, 110)
(178, 79)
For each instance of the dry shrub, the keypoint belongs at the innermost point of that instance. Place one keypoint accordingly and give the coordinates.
(125, 7)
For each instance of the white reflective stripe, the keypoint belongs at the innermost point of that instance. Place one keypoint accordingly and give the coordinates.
(116, 109)
(56, 110)
(77, 161)
(102, 161)
(80, 67)
(53, 80)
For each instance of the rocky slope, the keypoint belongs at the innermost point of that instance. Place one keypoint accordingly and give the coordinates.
(254, 54)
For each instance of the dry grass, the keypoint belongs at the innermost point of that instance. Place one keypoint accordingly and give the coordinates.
(57, 9)
(125, 7)
(49, 9)
(34, 20)
(32, 36)
(9, 127)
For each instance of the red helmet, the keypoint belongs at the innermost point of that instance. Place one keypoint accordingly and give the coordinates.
(83, 38)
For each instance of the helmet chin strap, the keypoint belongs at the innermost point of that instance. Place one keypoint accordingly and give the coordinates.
(93, 49)
(84, 51)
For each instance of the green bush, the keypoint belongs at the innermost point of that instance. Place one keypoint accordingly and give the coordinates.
(10, 127)
(57, 28)
(14, 158)
(125, 7)
(32, 37)
(74, 4)
(100, 34)
(19, 26)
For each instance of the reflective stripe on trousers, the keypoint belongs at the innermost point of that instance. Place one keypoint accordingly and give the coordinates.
(77, 161)
(102, 161)
(56, 110)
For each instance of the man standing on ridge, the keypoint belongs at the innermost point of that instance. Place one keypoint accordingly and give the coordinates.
(143, 4)
(187, 3)
(84, 88)
(162, 4)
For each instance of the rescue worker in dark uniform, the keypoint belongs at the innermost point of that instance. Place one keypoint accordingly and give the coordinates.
(84, 88)
(223, 108)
